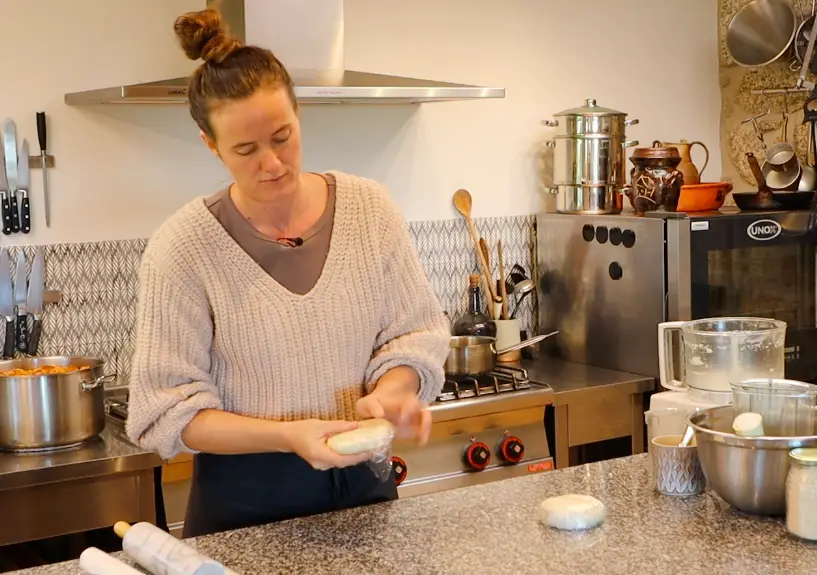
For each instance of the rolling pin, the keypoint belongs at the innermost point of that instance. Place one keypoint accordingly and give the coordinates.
(162, 554)
(94, 561)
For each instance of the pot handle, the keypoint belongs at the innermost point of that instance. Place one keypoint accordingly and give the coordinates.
(665, 355)
(629, 143)
(550, 123)
(632, 122)
(526, 343)
(101, 380)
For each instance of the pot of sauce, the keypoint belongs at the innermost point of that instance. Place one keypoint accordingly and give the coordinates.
(476, 355)
(51, 402)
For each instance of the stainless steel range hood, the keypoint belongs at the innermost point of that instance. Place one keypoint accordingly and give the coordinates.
(308, 38)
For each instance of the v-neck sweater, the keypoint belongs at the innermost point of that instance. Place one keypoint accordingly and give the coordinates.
(215, 331)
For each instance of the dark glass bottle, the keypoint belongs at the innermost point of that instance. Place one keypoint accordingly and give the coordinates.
(474, 322)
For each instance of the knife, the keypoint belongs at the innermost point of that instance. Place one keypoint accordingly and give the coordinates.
(20, 293)
(42, 136)
(5, 214)
(10, 151)
(23, 183)
(36, 287)
(6, 303)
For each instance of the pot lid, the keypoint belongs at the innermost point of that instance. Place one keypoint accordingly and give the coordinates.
(590, 108)
(657, 152)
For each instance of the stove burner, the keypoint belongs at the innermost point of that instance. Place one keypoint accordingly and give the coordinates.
(503, 379)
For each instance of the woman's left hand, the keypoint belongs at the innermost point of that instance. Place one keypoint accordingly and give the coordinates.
(409, 416)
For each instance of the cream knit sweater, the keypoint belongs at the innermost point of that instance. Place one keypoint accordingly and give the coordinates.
(213, 330)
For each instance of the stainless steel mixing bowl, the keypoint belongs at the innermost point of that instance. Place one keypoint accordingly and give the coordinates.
(749, 473)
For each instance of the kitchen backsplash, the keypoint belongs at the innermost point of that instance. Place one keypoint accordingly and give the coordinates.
(99, 281)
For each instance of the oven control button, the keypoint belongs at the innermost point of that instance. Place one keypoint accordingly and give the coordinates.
(628, 238)
(477, 456)
(602, 234)
(511, 449)
(615, 236)
(399, 468)
(588, 233)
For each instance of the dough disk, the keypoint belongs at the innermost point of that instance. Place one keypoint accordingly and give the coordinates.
(748, 425)
(572, 512)
(370, 435)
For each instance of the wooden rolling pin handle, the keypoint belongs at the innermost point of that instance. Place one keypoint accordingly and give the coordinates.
(120, 528)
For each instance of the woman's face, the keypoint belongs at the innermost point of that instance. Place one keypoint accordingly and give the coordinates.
(259, 141)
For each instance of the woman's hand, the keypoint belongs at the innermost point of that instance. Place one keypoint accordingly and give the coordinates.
(410, 417)
(307, 438)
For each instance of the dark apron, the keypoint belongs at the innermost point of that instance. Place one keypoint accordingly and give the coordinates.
(235, 491)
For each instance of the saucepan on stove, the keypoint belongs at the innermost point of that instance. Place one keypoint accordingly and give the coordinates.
(476, 355)
(51, 402)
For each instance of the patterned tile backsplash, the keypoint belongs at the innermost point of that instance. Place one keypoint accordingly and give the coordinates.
(99, 281)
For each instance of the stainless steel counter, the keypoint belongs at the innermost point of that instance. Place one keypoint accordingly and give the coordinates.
(75, 490)
(591, 405)
(569, 380)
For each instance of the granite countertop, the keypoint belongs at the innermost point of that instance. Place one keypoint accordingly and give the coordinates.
(493, 528)
(568, 379)
(110, 453)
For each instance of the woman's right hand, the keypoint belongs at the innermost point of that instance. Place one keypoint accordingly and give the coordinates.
(307, 438)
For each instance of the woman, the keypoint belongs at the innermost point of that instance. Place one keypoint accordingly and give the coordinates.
(276, 312)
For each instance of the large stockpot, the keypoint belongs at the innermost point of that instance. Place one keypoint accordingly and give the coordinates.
(49, 411)
(588, 159)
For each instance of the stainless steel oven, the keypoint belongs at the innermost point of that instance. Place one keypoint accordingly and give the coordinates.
(606, 281)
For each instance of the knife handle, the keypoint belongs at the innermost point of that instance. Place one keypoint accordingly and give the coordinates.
(14, 213)
(8, 343)
(25, 215)
(22, 332)
(34, 337)
(42, 133)
(5, 212)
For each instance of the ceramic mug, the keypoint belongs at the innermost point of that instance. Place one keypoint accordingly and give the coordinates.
(507, 335)
(677, 470)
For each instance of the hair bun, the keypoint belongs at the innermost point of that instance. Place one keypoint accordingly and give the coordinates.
(202, 35)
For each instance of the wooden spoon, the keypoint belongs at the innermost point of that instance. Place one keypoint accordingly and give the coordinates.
(463, 203)
(502, 286)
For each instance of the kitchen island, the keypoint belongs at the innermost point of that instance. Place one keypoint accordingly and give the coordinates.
(493, 528)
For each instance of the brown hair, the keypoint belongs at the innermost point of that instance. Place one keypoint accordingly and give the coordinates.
(230, 71)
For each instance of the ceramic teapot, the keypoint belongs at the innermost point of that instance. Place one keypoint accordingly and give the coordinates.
(687, 167)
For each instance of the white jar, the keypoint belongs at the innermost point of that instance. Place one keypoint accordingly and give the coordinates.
(801, 493)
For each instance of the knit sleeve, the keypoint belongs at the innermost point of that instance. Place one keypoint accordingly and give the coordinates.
(170, 380)
(416, 332)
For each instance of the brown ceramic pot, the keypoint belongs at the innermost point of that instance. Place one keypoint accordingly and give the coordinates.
(655, 181)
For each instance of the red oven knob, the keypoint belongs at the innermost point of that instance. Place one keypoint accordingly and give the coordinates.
(477, 456)
(400, 469)
(511, 449)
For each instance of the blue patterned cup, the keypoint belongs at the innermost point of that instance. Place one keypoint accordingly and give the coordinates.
(676, 469)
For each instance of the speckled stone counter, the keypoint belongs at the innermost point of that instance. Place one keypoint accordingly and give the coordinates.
(493, 528)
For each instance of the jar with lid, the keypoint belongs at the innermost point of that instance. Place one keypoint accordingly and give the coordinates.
(801, 493)
(655, 180)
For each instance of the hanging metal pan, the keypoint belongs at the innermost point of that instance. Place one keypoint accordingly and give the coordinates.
(761, 32)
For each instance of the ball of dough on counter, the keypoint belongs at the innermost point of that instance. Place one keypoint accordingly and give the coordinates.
(572, 512)
(370, 435)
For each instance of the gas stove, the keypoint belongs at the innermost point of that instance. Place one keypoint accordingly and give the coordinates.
(483, 429)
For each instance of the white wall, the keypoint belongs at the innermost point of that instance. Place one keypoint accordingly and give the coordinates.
(122, 170)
